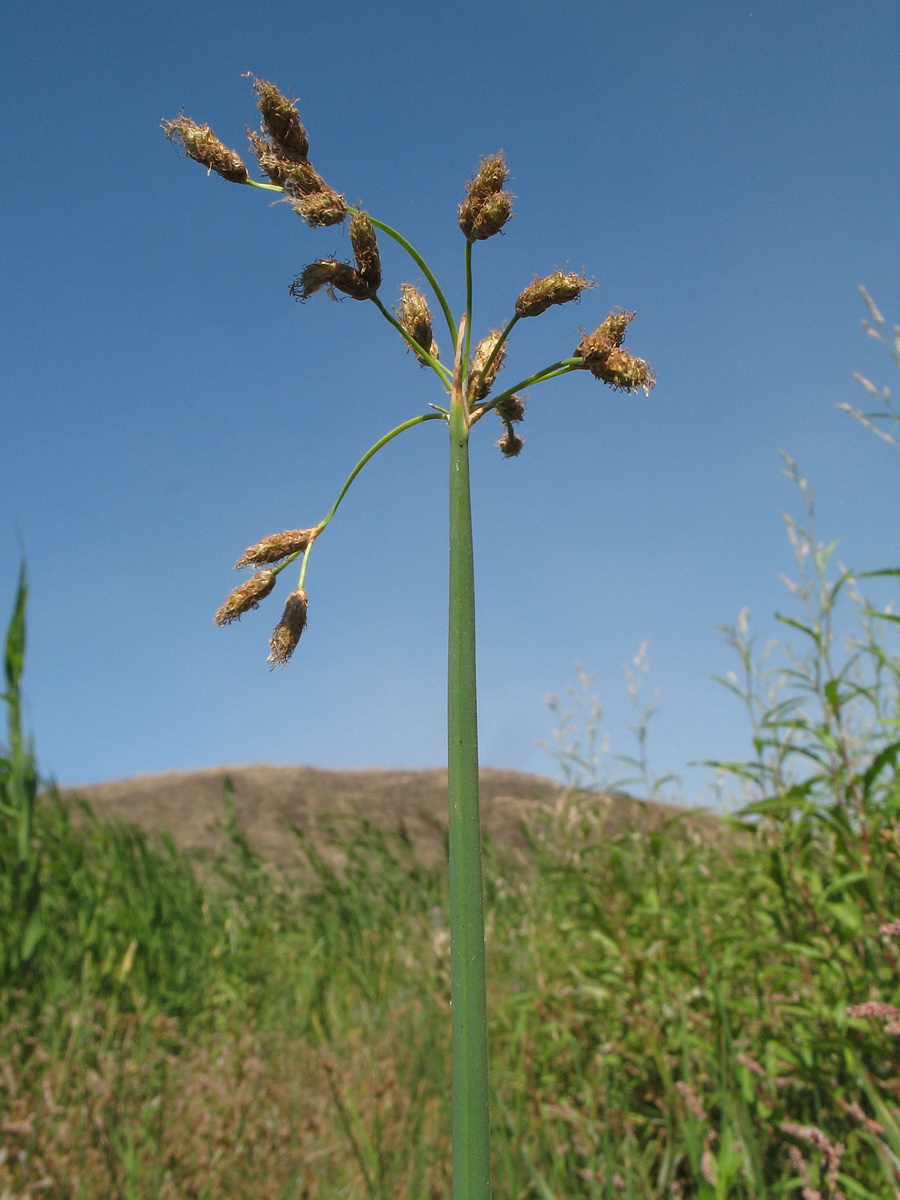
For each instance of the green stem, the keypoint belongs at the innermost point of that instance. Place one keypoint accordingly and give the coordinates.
(401, 240)
(370, 453)
(500, 344)
(266, 187)
(423, 267)
(468, 309)
(563, 367)
(468, 995)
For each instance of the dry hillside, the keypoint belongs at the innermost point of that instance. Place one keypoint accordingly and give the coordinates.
(189, 805)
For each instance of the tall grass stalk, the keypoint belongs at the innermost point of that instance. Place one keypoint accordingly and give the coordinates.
(468, 394)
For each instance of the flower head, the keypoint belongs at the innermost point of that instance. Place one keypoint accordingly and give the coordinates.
(487, 207)
(277, 546)
(245, 597)
(486, 364)
(558, 288)
(604, 357)
(510, 444)
(328, 273)
(286, 634)
(365, 249)
(201, 144)
(511, 409)
(282, 121)
(322, 206)
(415, 318)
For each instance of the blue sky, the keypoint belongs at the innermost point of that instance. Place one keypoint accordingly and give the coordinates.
(729, 170)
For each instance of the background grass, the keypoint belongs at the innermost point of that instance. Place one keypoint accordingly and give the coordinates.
(673, 1013)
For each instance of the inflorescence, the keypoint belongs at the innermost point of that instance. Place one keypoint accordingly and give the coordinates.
(281, 148)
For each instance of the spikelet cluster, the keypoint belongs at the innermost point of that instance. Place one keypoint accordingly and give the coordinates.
(487, 206)
(282, 151)
(276, 548)
(607, 360)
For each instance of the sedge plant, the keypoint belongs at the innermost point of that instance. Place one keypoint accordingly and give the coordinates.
(468, 392)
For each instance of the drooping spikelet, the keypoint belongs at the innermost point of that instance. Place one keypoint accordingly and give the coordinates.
(201, 144)
(415, 317)
(328, 273)
(245, 597)
(286, 634)
(277, 546)
(487, 207)
(510, 444)
(558, 288)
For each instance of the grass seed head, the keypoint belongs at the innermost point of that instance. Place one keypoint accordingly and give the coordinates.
(415, 317)
(488, 219)
(274, 548)
(487, 207)
(558, 288)
(510, 444)
(329, 273)
(481, 380)
(322, 207)
(201, 144)
(625, 372)
(297, 178)
(245, 597)
(595, 346)
(282, 121)
(511, 409)
(606, 360)
(286, 634)
(365, 249)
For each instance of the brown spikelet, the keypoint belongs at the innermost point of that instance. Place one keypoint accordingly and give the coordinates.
(365, 249)
(482, 376)
(277, 546)
(558, 288)
(510, 444)
(297, 178)
(322, 207)
(488, 219)
(282, 121)
(245, 597)
(286, 634)
(489, 179)
(604, 357)
(201, 144)
(328, 273)
(415, 317)
(487, 207)
(511, 409)
(625, 372)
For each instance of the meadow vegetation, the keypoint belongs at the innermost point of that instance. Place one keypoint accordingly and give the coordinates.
(671, 1013)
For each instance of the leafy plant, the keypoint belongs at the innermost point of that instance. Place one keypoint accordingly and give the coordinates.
(20, 884)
